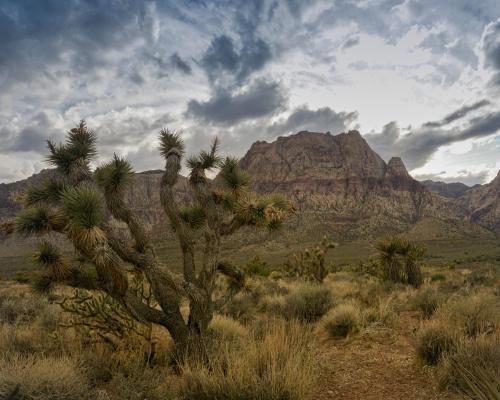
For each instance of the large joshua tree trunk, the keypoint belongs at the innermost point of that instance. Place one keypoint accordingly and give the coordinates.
(80, 204)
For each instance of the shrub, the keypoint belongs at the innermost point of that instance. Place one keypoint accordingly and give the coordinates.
(382, 313)
(276, 366)
(257, 267)
(438, 277)
(427, 301)
(472, 315)
(474, 368)
(139, 383)
(307, 303)
(271, 304)
(20, 307)
(42, 378)
(19, 339)
(225, 328)
(241, 307)
(343, 320)
(433, 341)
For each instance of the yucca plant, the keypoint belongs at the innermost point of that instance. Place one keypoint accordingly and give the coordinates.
(400, 260)
(79, 203)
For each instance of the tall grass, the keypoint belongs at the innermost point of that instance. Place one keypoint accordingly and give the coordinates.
(275, 363)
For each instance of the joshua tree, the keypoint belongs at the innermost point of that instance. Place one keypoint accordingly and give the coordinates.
(311, 264)
(80, 204)
(400, 260)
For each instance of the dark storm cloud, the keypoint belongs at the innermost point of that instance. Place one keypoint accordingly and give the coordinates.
(260, 99)
(35, 35)
(221, 57)
(321, 120)
(179, 63)
(351, 42)
(491, 48)
(420, 144)
(458, 114)
(31, 138)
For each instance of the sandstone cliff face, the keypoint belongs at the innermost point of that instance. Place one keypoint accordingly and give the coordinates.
(343, 177)
(483, 204)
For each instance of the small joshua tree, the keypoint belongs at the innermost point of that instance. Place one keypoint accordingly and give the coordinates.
(311, 264)
(400, 260)
(79, 203)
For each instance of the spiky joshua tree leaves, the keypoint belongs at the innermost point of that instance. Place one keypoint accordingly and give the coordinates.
(80, 204)
(400, 260)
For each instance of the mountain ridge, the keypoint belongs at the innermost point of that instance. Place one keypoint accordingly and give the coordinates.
(338, 181)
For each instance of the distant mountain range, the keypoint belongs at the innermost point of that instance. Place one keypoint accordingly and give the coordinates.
(338, 184)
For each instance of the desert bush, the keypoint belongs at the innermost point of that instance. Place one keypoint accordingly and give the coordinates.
(257, 267)
(272, 304)
(427, 300)
(275, 366)
(400, 260)
(225, 328)
(22, 307)
(472, 315)
(343, 320)
(307, 303)
(42, 378)
(383, 313)
(474, 368)
(139, 383)
(481, 277)
(434, 340)
(438, 277)
(241, 307)
(19, 339)
(373, 291)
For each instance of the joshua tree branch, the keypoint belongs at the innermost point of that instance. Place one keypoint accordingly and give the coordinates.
(169, 179)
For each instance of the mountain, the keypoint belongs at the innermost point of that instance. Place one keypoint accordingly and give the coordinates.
(482, 203)
(338, 184)
(342, 180)
(452, 190)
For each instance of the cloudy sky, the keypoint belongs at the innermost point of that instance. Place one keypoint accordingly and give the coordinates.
(418, 78)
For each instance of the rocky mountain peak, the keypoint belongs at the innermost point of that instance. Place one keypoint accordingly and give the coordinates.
(396, 167)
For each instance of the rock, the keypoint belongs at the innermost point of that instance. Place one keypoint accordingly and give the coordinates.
(341, 178)
(482, 203)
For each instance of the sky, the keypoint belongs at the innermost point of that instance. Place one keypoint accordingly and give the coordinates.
(420, 79)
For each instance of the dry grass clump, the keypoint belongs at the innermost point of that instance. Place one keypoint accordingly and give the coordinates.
(427, 300)
(275, 365)
(241, 307)
(308, 302)
(342, 321)
(471, 315)
(474, 368)
(225, 328)
(434, 340)
(19, 306)
(381, 314)
(42, 378)
(272, 304)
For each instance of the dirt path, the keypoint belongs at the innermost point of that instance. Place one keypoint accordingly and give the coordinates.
(376, 365)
